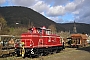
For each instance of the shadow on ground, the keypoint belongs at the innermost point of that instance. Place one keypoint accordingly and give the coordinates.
(85, 49)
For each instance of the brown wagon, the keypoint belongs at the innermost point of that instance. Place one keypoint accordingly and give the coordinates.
(7, 45)
(77, 40)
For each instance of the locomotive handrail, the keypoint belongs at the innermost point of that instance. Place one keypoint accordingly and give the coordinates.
(6, 35)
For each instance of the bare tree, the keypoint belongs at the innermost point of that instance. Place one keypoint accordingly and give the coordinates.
(30, 24)
(64, 34)
(53, 28)
(3, 23)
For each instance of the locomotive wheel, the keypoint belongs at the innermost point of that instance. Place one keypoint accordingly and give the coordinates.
(18, 55)
(41, 54)
(45, 53)
(54, 51)
(13, 54)
(35, 56)
(59, 49)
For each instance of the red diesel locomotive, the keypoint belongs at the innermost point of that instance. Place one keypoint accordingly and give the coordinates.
(38, 41)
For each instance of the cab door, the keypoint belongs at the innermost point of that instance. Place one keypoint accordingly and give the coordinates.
(40, 43)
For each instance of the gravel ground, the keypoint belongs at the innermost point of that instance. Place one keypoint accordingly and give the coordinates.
(71, 54)
(67, 54)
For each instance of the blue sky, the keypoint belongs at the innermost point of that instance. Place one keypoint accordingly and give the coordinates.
(68, 17)
(60, 11)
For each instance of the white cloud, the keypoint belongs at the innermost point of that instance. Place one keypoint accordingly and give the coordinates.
(26, 3)
(40, 6)
(83, 20)
(56, 2)
(56, 8)
(75, 12)
(2, 1)
(56, 11)
(56, 19)
(70, 7)
(60, 10)
(84, 11)
(43, 13)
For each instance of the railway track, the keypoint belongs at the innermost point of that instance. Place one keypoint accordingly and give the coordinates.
(41, 57)
(63, 55)
(68, 50)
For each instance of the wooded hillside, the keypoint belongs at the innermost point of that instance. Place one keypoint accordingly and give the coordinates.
(26, 17)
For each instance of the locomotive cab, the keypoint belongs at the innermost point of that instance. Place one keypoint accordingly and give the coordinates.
(35, 30)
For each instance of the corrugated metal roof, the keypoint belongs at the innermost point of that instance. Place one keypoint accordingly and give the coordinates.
(83, 36)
